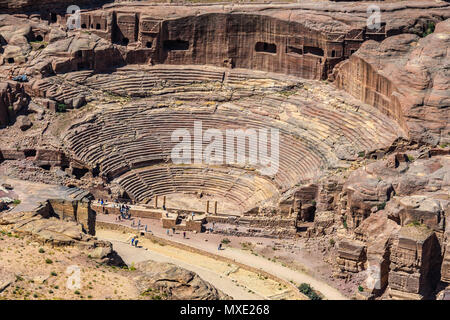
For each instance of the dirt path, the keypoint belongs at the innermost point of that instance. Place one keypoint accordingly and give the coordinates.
(229, 278)
(245, 257)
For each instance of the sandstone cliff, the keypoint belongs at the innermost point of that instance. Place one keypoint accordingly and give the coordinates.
(406, 77)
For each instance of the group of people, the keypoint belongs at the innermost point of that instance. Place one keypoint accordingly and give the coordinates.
(173, 232)
(134, 241)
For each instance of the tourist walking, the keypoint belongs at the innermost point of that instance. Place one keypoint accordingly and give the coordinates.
(219, 247)
(184, 234)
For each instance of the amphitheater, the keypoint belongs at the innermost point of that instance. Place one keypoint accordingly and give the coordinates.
(103, 100)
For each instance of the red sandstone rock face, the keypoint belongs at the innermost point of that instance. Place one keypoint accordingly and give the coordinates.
(21, 6)
(305, 40)
(404, 230)
(405, 77)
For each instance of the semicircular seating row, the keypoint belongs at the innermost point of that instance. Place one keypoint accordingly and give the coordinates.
(128, 139)
(122, 141)
(138, 80)
(238, 186)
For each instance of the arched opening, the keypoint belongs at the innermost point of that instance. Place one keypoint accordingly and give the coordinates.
(79, 172)
(83, 26)
(266, 47)
(148, 44)
(313, 50)
(170, 45)
(39, 38)
(10, 60)
(98, 26)
(333, 53)
(53, 17)
(125, 41)
(30, 153)
(294, 50)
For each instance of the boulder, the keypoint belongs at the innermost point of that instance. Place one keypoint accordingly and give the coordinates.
(175, 283)
(24, 123)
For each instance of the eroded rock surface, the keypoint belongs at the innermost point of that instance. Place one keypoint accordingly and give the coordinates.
(175, 283)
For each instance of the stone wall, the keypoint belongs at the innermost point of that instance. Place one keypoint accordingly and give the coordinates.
(78, 211)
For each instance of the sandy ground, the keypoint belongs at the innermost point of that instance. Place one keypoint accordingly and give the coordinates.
(38, 272)
(229, 278)
(236, 251)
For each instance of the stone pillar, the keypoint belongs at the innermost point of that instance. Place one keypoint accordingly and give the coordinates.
(164, 201)
(215, 207)
(207, 207)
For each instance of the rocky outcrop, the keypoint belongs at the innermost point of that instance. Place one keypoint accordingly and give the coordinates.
(167, 281)
(405, 77)
(46, 6)
(397, 209)
(415, 263)
(47, 228)
(351, 256)
(12, 100)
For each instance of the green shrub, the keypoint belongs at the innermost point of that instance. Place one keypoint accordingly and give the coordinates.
(429, 29)
(381, 206)
(226, 241)
(16, 201)
(332, 242)
(41, 250)
(61, 107)
(309, 292)
(360, 289)
(415, 223)
(53, 273)
(344, 222)
(48, 261)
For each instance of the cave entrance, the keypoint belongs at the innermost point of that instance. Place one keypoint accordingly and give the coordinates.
(266, 47)
(30, 153)
(170, 45)
(125, 41)
(39, 38)
(313, 50)
(294, 50)
(79, 173)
